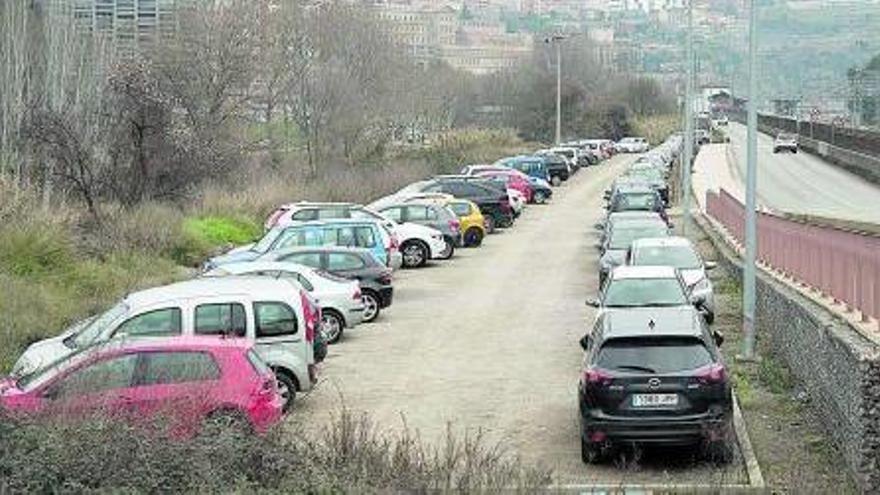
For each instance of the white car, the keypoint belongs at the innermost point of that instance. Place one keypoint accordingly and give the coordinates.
(275, 314)
(679, 253)
(785, 142)
(340, 299)
(632, 145)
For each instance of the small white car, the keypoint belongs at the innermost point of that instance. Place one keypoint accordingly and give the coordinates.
(785, 142)
(632, 145)
(679, 253)
(275, 314)
(340, 299)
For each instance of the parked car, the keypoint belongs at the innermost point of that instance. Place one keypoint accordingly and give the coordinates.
(654, 375)
(340, 299)
(432, 215)
(637, 197)
(365, 234)
(539, 190)
(633, 145)
(268, 312)
(512, 179)
(785, 142)
(679, 253)
(374, 278)
(494, 203)
(702, 136)
(624, 218)
(190, 381)
(397, 234)
(472, 221)
(557, 166)
(618, 241)
(533, 166)
(652, 176)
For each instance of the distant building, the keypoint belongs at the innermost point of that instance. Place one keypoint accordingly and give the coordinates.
(420, 28)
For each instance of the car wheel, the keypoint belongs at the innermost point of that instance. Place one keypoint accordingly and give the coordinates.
(415, 254)
(225, 422)
(332, 326)
(286, 389)
(709, 316)
(490, 224)
(448, 251)
(371, 306)
(540, 197)
(590, 452)
(473, 237)
(555, 180)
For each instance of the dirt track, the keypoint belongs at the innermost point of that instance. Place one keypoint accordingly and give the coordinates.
(490, 340)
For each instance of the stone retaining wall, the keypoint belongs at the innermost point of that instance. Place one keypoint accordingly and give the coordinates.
(837, 366)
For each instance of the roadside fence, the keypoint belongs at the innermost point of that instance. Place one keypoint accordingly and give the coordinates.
(842, 264)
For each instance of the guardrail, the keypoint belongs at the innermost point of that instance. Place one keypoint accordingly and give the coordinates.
(842, 264)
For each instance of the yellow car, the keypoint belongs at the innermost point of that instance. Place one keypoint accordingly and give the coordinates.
(472, 223)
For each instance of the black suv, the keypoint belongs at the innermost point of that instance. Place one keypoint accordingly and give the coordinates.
(654, 375)
(556, 166)
(353, 263)
(493, 202)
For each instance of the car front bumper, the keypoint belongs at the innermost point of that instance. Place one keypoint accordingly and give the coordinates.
(386, 296)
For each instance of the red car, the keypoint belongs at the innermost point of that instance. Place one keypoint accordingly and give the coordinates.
(187, 380)
(515, 180)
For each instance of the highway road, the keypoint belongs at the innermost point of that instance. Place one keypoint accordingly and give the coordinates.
(490, 342)
(801, 183)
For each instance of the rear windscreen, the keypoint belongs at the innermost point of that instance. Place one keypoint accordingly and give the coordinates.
(653, 355)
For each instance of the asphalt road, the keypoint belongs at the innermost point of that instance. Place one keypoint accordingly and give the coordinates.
(803, 183)
(489, 340)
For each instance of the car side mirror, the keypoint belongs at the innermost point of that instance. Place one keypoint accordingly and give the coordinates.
(593, 302)
(586, 342)
(710, 265)
(599, 226)
(607, 195)
(718, 337)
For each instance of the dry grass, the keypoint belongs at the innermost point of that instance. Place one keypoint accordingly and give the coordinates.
(351, 455)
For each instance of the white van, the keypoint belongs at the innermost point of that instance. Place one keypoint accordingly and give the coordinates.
(274, 313)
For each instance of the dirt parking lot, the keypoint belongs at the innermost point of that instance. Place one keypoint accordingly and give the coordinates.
(489, 340)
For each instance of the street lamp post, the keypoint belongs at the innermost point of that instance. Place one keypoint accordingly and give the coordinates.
(688, 154)
(556, 39)
(749, 296)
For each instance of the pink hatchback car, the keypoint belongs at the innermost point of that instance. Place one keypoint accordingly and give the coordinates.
(516, 180)
(186, 380)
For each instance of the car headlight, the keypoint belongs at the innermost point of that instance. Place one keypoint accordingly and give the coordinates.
(437, 237)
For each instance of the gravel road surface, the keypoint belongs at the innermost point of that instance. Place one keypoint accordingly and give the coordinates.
(489, 340)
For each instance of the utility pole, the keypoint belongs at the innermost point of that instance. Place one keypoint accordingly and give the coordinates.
(556, 39)
(749, 296)
(688, 125)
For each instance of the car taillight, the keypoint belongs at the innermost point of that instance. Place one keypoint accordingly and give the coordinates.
(505, 204)
(356, 295)
(597, 377)
(395, 244)
(454, 225)
(311, 315)
(385, 278)
(711, 374)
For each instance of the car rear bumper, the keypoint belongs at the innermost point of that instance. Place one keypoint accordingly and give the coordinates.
(674, 430)
(395, 260)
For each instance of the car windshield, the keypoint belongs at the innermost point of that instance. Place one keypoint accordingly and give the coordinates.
(681, 257)
(646, 173)
(640, 292)
(264, 244)
(786, 137)
(90, 333)
(621, 238)
(635, 201)
(653, 355)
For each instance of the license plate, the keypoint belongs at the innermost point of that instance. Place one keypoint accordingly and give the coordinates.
(655, 400)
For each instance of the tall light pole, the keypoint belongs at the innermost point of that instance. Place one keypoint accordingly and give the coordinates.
(688, 154)
(748, 352)
(556, 39)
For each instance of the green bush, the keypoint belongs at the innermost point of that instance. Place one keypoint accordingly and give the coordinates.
(31, 250)
(202, 236)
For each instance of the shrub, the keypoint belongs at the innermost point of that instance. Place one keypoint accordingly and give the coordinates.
(34, 249)
(346, 455)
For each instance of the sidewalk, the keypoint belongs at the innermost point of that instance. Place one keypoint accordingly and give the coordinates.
(713, 171)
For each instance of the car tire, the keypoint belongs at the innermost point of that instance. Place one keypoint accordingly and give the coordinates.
(719, 452)
(332, 325)
(540, 197)
(709, 316)
(226, 422)
(490, 224)
(590, 452)
(448, 251)
(372, 306)
(415, 254)
(286, 387)
(473, 237)
(555, 181)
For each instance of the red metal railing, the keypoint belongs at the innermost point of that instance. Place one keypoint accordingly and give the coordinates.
(841, 264)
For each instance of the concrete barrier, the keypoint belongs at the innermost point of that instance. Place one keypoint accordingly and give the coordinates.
(838, 367)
